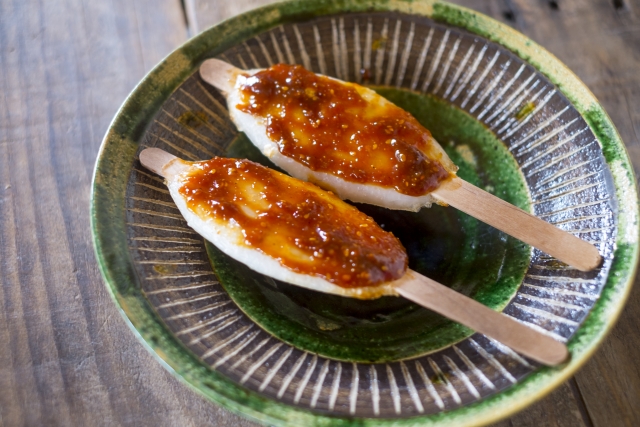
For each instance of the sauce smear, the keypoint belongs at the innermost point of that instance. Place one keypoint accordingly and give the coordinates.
(306, 229)
(332, 127)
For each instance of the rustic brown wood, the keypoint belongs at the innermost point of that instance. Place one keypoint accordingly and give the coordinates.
(67, 357)
(559, 409)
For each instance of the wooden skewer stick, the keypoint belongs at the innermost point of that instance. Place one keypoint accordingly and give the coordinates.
(156, 160)
(219, 74)
(520, 224)
(468, 312)
(471, 200)
(434, 296)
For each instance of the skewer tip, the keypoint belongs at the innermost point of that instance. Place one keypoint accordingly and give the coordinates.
(594, 261)
(155, 159)
(219, 74)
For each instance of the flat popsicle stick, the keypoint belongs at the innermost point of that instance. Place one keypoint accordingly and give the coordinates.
(155, 159)
(434, 296)
(457, 307)
(520, 224)
(219, 74)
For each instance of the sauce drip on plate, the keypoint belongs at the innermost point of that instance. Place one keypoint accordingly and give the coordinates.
(306, 229)
(339, 128)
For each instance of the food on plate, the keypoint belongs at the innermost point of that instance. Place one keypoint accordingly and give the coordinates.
(295, 232)
(285, 228)
(342, 136)
(350, 140)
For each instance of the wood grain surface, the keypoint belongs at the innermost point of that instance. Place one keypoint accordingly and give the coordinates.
(68, 358)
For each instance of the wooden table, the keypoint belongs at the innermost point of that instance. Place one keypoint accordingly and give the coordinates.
(66, 355)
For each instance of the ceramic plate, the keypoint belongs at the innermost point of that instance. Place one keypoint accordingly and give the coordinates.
(516, 121)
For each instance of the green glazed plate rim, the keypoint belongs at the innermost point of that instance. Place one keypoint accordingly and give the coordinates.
(121, 142)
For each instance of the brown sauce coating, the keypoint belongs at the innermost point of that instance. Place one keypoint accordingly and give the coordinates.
(306, 229)
(329, 127)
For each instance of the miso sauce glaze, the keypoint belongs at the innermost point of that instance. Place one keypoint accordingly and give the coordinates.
(330, 127)
(306, 229)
